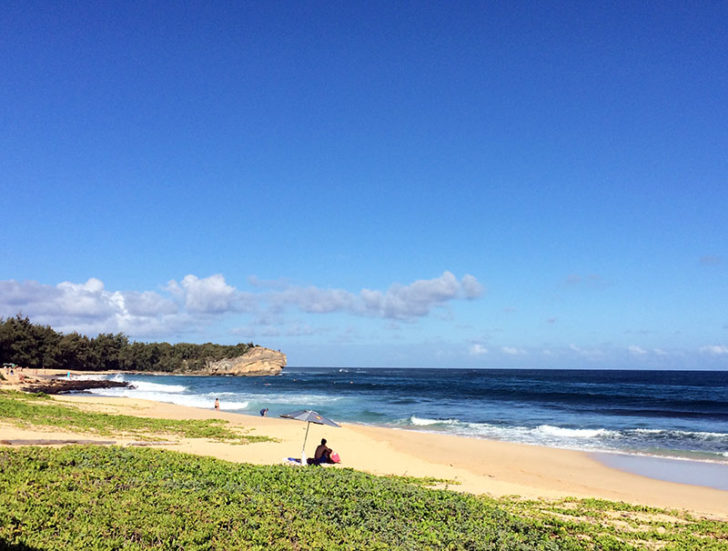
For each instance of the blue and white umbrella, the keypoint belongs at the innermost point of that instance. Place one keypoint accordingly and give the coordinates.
(309, 416)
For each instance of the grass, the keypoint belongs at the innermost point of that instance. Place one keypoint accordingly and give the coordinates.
(93, 497)
(40, 410)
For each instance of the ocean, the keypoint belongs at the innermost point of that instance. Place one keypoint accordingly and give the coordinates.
(668, 414)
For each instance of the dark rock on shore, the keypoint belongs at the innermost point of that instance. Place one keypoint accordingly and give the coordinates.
(56, 386)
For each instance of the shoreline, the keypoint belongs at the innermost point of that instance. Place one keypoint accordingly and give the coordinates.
(472, 465)
(672, 454)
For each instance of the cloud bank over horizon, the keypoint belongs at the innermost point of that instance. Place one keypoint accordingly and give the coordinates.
(195, 307)
(186, 306)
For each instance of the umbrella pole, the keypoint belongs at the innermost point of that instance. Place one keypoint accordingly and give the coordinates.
(308, 426)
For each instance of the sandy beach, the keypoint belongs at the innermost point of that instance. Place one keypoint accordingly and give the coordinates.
(477, 466)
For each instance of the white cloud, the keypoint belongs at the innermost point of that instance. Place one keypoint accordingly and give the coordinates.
(410, 301)
(79, 300)
(89, 307)
(148, 303)
(399, 302)
(300, 330)
(186, 305)
(314, 300)
(588, 353)
(715, 350)
(477, 350)
(418, 298)
(471, 287)
(208, 295)
(636, 350)
(512, 351)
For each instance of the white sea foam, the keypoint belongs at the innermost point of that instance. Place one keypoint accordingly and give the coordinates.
(89, 377)
(682, 434)
(139, 386)
(231, 401)
(424, 422)
(308, 400)
(144, 386)
(191, 400)
(545, 435)
(575, 433)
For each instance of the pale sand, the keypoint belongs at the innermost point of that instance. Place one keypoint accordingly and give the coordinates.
(479, 466)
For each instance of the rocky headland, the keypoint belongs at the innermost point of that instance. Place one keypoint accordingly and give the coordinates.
(256, 361)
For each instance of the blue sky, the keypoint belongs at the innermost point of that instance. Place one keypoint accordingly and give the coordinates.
(456, 184)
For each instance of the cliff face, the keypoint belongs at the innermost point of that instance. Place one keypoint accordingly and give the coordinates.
(256, 361)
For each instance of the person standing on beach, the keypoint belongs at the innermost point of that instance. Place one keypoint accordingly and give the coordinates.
(217, 403)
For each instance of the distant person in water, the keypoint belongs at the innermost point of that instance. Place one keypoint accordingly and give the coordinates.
(217, 403)
(264, 412)
(322, 454)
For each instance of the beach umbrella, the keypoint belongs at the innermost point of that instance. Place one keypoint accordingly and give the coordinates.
(309, 416)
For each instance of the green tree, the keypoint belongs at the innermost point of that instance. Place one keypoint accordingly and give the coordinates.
(75, 352)
(107, 349)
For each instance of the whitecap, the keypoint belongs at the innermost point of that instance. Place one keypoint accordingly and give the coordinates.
(89, 378)
(424, 422)
(191, 400)
(146, 386)
(698, 435)
(574, 433)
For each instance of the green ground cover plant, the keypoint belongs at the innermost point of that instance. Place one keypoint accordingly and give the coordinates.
(41, 410)
(94, 497)
(617, 525)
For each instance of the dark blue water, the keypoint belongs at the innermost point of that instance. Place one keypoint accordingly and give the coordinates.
(665, 413)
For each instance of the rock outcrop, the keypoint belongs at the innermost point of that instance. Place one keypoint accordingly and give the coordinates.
(57, 386)
(256, 361)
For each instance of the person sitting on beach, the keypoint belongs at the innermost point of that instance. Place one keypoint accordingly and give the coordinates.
(322, 454)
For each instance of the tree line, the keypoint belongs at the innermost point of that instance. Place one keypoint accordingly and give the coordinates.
(33, 345)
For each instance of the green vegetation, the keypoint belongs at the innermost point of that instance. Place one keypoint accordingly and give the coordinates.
(86, 497)
(36, 346)
(427, 481)
(615, 525)
(41, 410)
